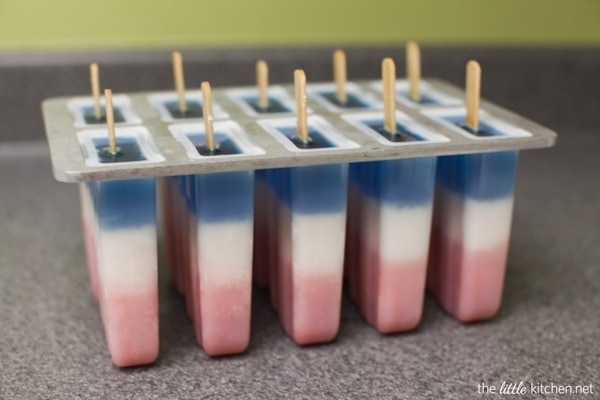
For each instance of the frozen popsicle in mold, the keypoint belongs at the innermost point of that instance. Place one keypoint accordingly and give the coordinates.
(125, 236)
(127, 269)
(413, 91)
(181, 104)
(264, 99)
(220, 210)
(309, 225)
(472, 213)
(89, 112)
(341, 95)
(389, 219)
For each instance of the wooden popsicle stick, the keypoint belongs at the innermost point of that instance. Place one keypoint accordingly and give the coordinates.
(300, 94)
(413, 70)
(110, 121)
(388, 72)
(473, 94)
(339, 75)
(262, 83)
(95, 83)
(179, 80)
(209, 131)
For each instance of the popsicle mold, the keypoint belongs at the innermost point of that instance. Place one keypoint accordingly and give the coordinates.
(293, 209)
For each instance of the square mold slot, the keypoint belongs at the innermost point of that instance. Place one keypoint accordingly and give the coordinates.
(134, 146)
(489, 126)
(280, 102)
(430, 96)
(408, 131)
(230, 140)
(82, 110)
(167, 106)
(326, 95)
(323, 136)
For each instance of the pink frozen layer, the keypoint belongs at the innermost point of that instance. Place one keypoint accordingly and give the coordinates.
(128, 280)
(467, 283)
(222, 320)
(310, 309)
(391, 293)
(389, 280)
(469, 247)
(309, 275)
(131, 326)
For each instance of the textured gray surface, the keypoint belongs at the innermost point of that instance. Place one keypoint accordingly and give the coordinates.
(548, 330)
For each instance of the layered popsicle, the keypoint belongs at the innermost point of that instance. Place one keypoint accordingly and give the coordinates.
(219, 208)
(389, 219)
(390, 206)
(307, 233)
(127, 268)
(119, 223)
(473, 211)
(471, 231)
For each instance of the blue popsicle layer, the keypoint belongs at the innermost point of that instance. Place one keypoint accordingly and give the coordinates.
(425, 99)
(89, 116)
(316, 139)
(224, 145)
(311, 190)
(224, 196)
(123, 204)
(399, 182)
(194, 109)
(275, 106)
(352, 101)
(128, 150)
(402, 134)
(485, 176)
(485, 129)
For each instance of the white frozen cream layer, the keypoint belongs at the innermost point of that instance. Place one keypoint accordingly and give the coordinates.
(316, 243)
(399, 233)
(127, 259)
(477, 224)
(225, 251)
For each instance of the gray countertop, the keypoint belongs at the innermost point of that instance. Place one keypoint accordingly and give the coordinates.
(548, 330)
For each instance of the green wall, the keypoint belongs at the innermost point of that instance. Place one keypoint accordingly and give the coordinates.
(108, 24)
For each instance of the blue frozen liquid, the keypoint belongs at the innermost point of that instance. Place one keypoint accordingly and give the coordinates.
(485, 176)
(123, 204)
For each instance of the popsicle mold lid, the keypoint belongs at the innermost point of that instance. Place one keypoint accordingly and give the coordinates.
(69, 162)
